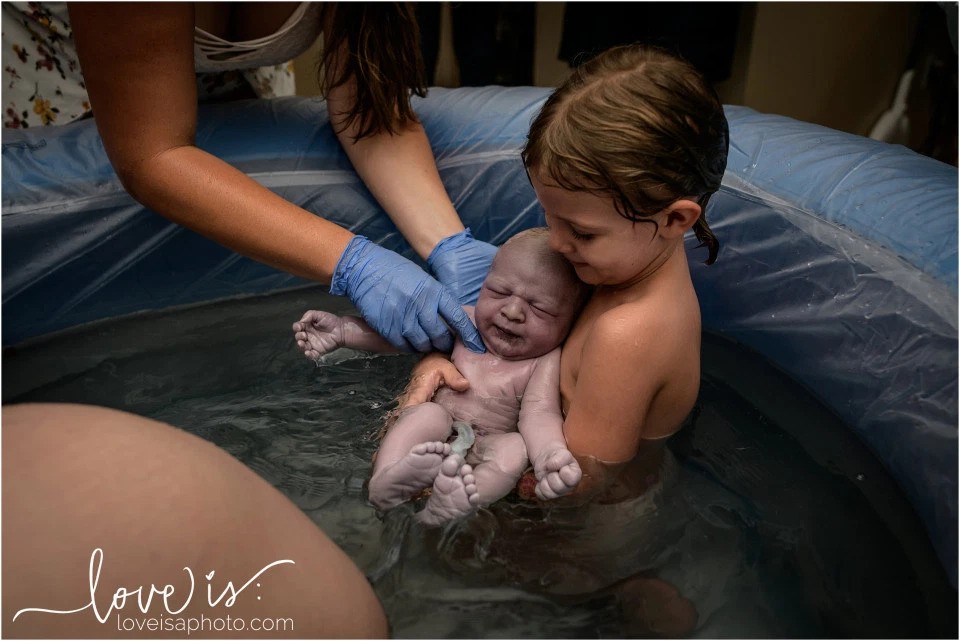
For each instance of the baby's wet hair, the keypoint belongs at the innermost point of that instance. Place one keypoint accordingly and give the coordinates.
(639, 125)
(536, 240)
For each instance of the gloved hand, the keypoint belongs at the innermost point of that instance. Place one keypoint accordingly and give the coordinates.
(461, 262)
(401, 301)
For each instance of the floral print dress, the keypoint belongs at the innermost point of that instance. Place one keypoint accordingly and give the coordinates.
(43, 85)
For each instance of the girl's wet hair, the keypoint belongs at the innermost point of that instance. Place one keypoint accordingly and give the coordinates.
(383, 53)
(639, 125)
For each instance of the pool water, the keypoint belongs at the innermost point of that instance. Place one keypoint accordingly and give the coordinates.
(778, 522)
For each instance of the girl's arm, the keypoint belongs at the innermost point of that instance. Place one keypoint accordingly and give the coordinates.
(615, 388)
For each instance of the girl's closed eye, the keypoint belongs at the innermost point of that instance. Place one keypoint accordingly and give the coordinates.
(581, 236)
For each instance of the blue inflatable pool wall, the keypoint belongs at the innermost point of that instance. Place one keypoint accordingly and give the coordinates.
(838, 258)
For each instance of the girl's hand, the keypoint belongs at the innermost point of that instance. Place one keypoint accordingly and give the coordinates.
(434, 370)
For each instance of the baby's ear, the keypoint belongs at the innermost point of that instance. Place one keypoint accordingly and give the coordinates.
(681, 215)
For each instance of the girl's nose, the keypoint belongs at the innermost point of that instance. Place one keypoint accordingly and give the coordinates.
(557, 242)
(513, 310)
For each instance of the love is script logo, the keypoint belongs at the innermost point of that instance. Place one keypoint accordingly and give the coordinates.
(174, 601)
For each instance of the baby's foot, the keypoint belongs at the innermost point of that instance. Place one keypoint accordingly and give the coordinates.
(558, 473)
(318, 333)
(454, 493)
(404, 479)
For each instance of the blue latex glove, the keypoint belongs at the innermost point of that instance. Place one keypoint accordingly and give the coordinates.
(401, 301)
(461, 262)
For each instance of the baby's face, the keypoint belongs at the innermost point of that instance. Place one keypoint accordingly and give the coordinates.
(524, 311)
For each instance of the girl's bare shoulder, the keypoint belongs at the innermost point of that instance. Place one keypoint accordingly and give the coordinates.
(643, 326)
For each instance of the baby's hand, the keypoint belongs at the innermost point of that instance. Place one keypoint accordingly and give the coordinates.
(557, 474)
(318, 333)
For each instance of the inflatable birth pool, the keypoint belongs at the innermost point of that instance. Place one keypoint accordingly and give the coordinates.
(838, 261)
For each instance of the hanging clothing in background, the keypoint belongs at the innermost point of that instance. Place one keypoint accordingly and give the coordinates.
(493, 41)
(704, 33)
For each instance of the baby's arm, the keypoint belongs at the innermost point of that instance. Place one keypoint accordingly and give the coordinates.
(541, 425)
(320, 333)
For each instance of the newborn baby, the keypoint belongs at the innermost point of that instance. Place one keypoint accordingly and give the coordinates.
(526, 307)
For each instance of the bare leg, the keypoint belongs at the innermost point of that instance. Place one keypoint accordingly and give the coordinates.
(156, 500)
(499, 461)
(460, 489)
(410, 456)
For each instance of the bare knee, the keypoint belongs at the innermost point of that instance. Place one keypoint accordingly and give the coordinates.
(428, 412)
(420, 423)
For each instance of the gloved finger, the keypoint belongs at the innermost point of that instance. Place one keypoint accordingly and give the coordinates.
(418, 328)
(432, 333)
(441, 341)
(417, 338)
(453, 313)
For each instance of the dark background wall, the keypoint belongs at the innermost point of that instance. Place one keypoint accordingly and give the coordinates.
(843, 65)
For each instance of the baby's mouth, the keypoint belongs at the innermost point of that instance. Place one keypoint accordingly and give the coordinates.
(504, 335)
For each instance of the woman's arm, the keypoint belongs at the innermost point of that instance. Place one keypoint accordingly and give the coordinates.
(137, 61)
(400, 171)
(138, 66)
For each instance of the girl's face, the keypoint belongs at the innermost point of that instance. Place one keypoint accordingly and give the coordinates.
(604, 247)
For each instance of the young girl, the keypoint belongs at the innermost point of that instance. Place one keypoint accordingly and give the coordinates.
(623, 157)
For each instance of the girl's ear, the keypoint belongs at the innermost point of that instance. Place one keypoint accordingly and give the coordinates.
(680, 217)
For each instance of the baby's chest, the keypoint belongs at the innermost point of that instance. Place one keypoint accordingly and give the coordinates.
(492, 376)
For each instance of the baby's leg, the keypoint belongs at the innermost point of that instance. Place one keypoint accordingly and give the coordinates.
(460, 489)
(410, 455)
(503, 458)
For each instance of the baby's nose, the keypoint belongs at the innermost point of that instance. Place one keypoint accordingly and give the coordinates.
(513, 310)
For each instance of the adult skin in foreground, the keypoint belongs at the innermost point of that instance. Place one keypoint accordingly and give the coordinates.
(165, 508)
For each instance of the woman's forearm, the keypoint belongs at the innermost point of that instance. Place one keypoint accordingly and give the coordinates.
(401, 173)
(203, 193)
